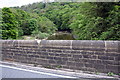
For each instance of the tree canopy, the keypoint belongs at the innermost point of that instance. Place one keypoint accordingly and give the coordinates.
(85, 20)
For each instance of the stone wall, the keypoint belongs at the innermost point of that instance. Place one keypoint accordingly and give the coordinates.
(85, 55)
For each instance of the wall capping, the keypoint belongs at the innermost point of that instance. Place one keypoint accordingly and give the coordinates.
(85, 55)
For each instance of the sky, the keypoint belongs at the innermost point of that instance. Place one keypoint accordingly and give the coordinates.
(12, 3)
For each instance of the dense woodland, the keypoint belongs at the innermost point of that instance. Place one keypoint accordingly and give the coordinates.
(88, 21)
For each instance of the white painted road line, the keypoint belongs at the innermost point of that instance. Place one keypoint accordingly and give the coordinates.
(37, 72)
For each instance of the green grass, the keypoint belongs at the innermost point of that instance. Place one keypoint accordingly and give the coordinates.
(110, 74)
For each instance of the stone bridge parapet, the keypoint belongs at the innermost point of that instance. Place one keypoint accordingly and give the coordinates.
(85, 55)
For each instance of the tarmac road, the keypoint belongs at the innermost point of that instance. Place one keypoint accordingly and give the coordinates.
(19, 73)
(14, 72)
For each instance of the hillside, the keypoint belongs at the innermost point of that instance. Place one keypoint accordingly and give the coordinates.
(88, 21)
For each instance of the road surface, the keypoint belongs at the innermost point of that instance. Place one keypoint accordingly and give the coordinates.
(18, 72)
(14, 72)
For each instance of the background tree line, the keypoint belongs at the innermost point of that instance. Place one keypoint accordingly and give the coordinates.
(88, 21)
(16, 23)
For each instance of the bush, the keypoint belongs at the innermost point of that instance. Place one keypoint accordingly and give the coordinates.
(39, 35)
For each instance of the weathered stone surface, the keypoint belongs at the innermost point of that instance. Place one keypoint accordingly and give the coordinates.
(56, 43)
(111, 46)
(88, 45)
(86, 55)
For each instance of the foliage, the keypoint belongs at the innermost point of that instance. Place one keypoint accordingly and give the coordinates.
(88, 25)
(20, 17)
(9, 24)
(113, 30)
(86, 20)
(29, 26)
(111, 74)
(44, 28)
(45, 25)
(39, 35)
(16, 23)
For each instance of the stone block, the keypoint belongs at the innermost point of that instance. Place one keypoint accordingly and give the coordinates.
(99, 66)
(49, 57)
(59, 62)
(63, 55)
(105, 57)
(56, 43)
(87, 44)
(86, 56)
(65, 59)
(71, 63)
(57, 58)
(78, 64)
(52, 61)
(111, 46)
(77, 56)
(112, 68)
(89, 65)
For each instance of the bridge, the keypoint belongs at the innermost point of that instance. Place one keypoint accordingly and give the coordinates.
(74, 55)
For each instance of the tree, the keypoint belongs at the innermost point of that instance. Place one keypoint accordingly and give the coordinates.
(45, 25)
(9, 24)
(112, 32)
(20, 17)
(29, 26)
(88, 21)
